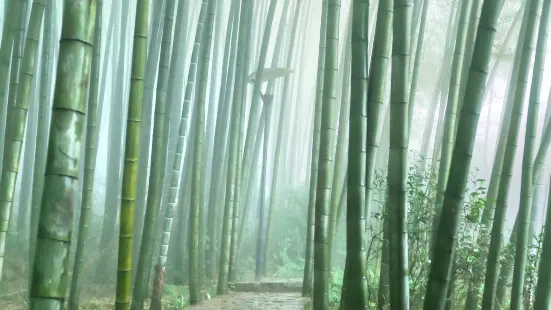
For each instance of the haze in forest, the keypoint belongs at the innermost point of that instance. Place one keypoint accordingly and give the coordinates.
(348, 154)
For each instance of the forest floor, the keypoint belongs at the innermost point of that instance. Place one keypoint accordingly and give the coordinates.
(255, 301)
(266, 295)
(269, 294)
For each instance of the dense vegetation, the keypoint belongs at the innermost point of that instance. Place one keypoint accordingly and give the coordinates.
(391, 154)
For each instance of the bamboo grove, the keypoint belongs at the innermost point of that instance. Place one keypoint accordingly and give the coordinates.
(390, 154)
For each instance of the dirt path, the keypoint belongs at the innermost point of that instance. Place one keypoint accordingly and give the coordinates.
(255, 301)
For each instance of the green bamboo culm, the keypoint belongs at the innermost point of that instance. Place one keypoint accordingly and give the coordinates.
(496, 238)
(236, 219)
(497, 165)
(131, 156)
(261, 236)
(524, 215)
(461, 159)
(18, 106)
(417, 58)
(308, 277)
(89, 164)
(326, 157)
(543, 288)
(397, 164)
(12, 19)
(155, 185)
(15, 66)
(23, 209)
(196, 211)
(220, 141)
(46, 80)
(355, 295)
(247, 176)
(280, 126)
(49, 280)
(161, 96)
(375, 96)
(235, 121)
(450, 117)
(156, 21)
(341, 137)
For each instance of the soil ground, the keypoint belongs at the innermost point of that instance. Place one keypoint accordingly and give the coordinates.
(255, 301)
(266, 295)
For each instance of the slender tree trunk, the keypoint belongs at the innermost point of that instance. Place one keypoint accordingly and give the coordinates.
(267, 101)
(115, 151)
(61, 179)
(280, 127)
(131, 157)
(461, 159)
(525, 208)
(161, 98)
(156, 176)
(235, 120)
(418, 51)
(25, 195)
(220, 137)
(383, 297)
(439, 94)
(29, 85)
(195, 266)
(308, 277)
(151, 67)
(90, 156)
(376, 96)
(543, 288)
(355, 294)
(450, 118)
(496, 241)
(43, 125)
(476, 280)
(326, 157)
(342, 136)
(16, 28)
(397, 172)
(242, 216)
(248, 175)
(12, 10)
(18, 105)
